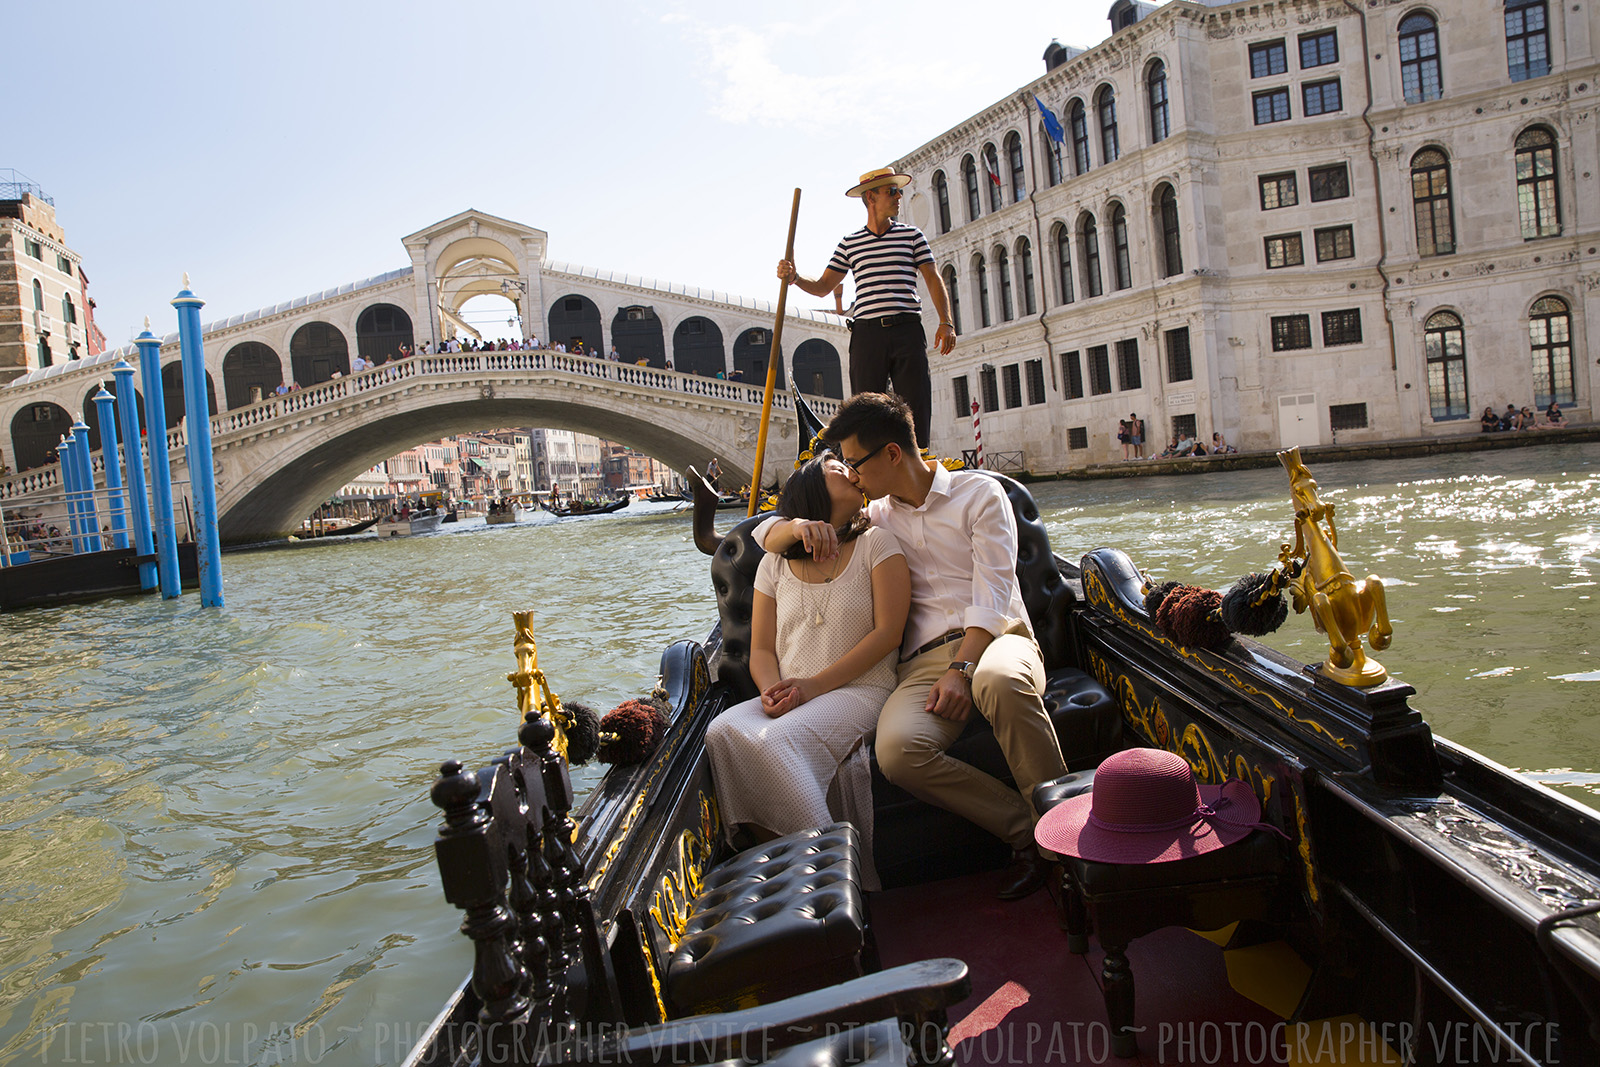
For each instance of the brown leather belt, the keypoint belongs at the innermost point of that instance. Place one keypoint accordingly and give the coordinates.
(937, 642)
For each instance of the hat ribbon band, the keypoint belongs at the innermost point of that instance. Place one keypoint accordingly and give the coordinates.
(1204, 812)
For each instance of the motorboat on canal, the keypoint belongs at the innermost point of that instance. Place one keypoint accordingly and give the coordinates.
(425, 518)
(1408, 900)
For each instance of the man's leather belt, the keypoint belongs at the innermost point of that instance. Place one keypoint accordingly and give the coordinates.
(942, 639)
(905, 318)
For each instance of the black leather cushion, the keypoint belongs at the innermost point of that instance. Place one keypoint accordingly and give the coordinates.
(773, 921)
(877, 1044)
(1047, 795)
(1045, 593)
(733, 576)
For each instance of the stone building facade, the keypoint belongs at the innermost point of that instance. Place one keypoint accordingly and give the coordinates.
(46, 316)
(1290, 222)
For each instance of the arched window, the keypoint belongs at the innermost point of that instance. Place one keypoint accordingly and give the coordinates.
(38, 295)
(1078, 124)
(1092, 285)
(1105, 103)
(1052, 155)
(1002, 267)
(1527, 39)
(1123, 276)
(1537, 204)
(1160, 115)
(1064, 264)
(69, 313)
(941, 192)
(1167, 220)
(982, 271)
(1419, 58)
(1430, 201)
(1442, 341)
(955, 298)
(991, 163)
(1550, 337)
(969, 174)
(1019, 177)
(1030, 306)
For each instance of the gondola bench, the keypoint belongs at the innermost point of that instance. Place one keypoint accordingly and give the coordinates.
(773, 921)
(915, 841)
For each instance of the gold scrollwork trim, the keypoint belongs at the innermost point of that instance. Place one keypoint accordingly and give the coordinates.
(1098, 595)
(655, 976)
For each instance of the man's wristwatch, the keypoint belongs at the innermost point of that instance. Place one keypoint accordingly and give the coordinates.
(965, 666)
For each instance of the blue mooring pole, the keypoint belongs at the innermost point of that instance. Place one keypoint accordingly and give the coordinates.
(86, 508)
(105, 403)
(66, 456)
(155, 421)
(202, 477)
(133, 462)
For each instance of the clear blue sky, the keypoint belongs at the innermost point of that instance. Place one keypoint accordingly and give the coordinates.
(272, 150)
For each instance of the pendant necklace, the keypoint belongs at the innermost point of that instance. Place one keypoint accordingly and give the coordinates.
(819, 608)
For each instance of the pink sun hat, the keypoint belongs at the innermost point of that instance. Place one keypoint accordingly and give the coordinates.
(1147, 808)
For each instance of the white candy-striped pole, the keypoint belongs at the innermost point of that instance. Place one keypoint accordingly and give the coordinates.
(977, 434)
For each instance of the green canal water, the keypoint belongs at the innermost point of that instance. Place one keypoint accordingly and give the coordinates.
(215, 838)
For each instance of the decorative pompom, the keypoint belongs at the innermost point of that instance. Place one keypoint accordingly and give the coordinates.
(1188, 615)
(583, 732)
(1153, 599)
(1251, 608)
(629, 732)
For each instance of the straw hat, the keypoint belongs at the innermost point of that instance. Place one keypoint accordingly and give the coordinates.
(877, 179)
(1146, 808)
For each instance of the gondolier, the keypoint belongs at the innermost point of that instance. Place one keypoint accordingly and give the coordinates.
(888, 348)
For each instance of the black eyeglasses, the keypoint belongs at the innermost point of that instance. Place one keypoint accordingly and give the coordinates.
(855, 464)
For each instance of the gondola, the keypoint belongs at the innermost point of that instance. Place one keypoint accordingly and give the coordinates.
(328, 530)
(1407, 897)
(584, 507)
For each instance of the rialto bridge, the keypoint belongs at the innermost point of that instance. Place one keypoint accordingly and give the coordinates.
(682, 415)
(278, 458)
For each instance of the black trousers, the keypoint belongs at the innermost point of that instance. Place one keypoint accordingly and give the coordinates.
(880, 355)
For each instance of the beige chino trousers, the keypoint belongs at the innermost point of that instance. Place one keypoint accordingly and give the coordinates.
(1006, 689)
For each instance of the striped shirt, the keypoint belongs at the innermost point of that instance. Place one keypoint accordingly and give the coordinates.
(885, 269)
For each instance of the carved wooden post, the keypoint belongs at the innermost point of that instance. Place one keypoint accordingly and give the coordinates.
(472, 866)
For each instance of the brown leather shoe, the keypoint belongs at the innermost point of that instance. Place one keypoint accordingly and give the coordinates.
(1025, 875)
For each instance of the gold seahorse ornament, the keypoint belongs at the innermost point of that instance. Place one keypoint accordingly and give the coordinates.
(1343, 608)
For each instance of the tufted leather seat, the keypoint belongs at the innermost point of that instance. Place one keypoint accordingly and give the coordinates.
(915, 841)
(773, 921)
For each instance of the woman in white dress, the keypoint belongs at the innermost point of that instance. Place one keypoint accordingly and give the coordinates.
(824, 643)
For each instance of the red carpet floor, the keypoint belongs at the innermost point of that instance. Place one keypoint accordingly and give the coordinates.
(1035, 1003)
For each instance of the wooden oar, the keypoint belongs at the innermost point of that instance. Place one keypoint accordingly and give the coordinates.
(774, 356)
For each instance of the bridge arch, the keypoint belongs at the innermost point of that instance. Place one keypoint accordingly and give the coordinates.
(816, 369)
(269, 480)
(251, 370)
(697, 347)
(750, 354)
(574, 318)
(35, 431)
(172, 392)
(380, 331)
(316, 350)
(636, 332)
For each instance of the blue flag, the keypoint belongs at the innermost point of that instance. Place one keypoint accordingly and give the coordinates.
(1052, 125)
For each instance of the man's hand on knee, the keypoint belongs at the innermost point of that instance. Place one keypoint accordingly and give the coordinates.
(950, 698)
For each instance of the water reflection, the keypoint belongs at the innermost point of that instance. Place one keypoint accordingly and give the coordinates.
(219, 818)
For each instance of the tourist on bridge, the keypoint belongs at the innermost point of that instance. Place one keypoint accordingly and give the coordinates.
(887, 343)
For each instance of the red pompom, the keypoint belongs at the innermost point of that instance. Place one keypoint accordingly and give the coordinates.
(1189, 615)
(630, 732)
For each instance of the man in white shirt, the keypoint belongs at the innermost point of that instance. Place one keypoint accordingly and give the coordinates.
(968, 642)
